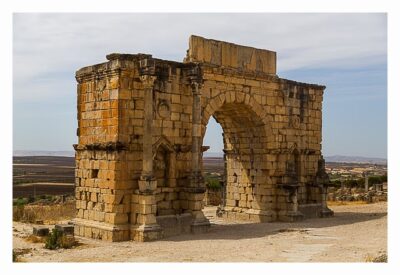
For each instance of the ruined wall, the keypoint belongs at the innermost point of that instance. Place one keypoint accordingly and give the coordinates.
(272, 129)
(102, 194)
(141, 123)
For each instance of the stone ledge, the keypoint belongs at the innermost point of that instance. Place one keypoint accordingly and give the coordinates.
(100, 230)
(107, 146)
(146, 233)
(251, 215)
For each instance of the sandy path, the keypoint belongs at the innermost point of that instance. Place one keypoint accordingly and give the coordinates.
(354, 233)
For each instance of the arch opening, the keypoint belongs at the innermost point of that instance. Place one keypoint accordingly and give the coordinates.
(245, 176)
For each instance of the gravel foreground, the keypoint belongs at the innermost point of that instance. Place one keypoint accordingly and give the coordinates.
(357, 233)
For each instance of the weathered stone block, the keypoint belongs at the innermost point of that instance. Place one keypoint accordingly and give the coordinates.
(116, 218)
(67, 229)
(40, 231)
(146, 199)
(146, 218)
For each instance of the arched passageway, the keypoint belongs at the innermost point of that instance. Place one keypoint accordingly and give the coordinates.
(244, 138)
(141, 124)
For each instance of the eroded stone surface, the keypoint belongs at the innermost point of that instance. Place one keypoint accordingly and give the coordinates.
(141, 123)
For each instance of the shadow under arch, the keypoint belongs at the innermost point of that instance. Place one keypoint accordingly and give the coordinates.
(246, 134)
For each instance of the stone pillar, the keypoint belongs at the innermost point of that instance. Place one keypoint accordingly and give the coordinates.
(196, 190)
(366, 183)
(325, 211)
(323, 183)
(147, 170)
(295, 202)
(291, 185)
(144, 206)
(294, 214)
(196, 179)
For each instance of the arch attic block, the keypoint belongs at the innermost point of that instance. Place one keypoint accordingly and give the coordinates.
(141, 123)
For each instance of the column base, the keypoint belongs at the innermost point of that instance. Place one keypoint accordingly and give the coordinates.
(146, 232)
(101, 230)
(326, 213)
(293, 216)
(198, 227)
(200, 223)
(248, 215)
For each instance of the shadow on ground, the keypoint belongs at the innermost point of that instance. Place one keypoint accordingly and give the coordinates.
(259, 230)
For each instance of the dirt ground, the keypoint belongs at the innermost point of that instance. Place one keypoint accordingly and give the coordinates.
(354, 234)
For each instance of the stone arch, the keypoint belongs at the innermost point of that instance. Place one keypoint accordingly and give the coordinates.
(247, 131)
(239, 97)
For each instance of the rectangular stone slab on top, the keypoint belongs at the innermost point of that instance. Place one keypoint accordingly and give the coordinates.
(226, 54)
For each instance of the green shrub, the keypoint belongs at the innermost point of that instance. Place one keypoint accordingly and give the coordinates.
(53, 240)
(377, 179)
(31, 199)
(57, 239)
(20, 201)
(214, 183)
(336, 183)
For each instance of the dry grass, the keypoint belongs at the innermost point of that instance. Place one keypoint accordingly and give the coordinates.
(376, 259)
(16, 253)
(48, 213)
(35, 239)
(62, 241)
(335, 203)
(67, 241)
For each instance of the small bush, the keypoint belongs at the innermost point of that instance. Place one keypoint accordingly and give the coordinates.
(213, 184)
(57, 239)
(53, 240)
(376, 259)
(31, 199)
(20, 201)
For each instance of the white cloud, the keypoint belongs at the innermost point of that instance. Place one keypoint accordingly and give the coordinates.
(58, 44)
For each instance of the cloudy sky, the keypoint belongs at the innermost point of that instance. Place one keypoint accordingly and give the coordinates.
(345, 52)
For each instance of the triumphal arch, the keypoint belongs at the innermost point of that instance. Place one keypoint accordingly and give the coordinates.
(141, 123)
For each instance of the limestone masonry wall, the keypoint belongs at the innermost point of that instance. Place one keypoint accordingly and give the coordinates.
(141, 123)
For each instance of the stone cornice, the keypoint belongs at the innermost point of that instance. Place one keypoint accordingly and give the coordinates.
(301, 84)
(107, 146)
